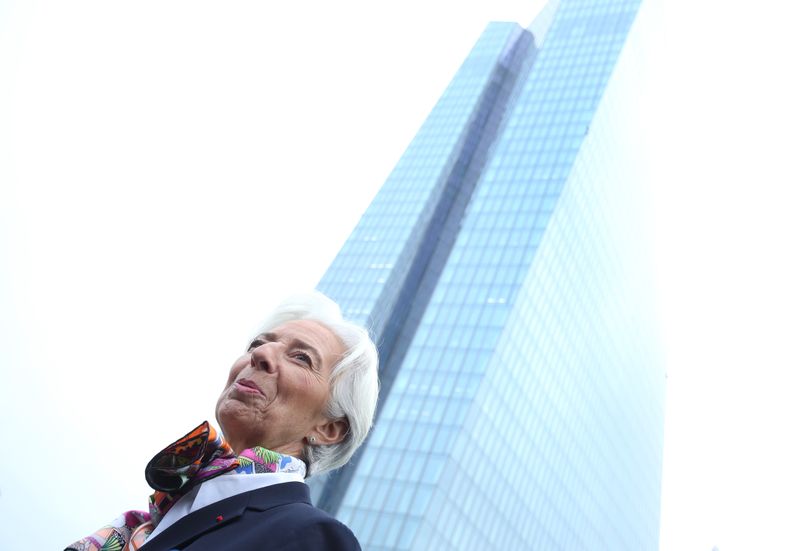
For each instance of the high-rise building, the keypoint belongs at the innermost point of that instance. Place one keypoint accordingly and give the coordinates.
(503, 270)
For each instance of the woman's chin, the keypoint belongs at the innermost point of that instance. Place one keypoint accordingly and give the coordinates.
(235, 412)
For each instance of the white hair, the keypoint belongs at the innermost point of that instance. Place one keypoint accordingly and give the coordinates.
(353, 381)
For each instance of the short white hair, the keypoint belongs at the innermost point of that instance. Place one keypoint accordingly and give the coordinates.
(353, 381)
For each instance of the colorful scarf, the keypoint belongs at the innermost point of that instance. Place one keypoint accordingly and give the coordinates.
(189, 461)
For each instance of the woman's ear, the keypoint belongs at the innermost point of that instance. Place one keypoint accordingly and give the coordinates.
(331, 431)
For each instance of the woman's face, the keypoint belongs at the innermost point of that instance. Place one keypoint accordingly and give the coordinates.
(276, 392)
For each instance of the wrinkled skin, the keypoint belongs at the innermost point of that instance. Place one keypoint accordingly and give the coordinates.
(276, 392)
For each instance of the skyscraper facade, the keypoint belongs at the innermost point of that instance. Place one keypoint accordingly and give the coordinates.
(503, 271)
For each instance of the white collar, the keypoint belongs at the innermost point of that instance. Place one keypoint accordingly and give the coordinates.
(219, 488)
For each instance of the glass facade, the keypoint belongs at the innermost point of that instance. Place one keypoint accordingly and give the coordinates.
(503, 270)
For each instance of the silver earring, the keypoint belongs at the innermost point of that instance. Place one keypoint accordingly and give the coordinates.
(311, 439)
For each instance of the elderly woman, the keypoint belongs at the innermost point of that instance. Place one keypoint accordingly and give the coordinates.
(297, 403)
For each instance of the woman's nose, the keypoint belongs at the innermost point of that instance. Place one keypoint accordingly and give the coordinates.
(265, 357)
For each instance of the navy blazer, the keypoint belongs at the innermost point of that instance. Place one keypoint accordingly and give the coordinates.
(276, 517)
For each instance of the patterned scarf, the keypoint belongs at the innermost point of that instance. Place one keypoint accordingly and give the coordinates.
(189, 461)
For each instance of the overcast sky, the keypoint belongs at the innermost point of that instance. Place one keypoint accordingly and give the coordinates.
(168, 171)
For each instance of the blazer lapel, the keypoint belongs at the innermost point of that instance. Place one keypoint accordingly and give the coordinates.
(222, 512)
(198, 523)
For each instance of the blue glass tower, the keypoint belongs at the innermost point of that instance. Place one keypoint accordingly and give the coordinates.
(503, 270)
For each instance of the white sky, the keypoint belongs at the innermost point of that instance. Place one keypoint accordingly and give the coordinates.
(168, 171)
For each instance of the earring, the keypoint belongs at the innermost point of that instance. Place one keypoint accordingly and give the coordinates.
(311, 439)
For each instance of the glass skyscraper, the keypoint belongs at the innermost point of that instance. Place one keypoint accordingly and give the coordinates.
(503, 271)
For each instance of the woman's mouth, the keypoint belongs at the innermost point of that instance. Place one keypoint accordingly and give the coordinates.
(246, 385)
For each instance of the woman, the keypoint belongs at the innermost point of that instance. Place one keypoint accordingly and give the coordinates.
(297, 403)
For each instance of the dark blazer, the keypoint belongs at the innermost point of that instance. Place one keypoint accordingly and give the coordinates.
(272, 518)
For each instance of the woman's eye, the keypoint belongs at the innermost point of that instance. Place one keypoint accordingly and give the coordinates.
(255, 344)
(303, 357)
